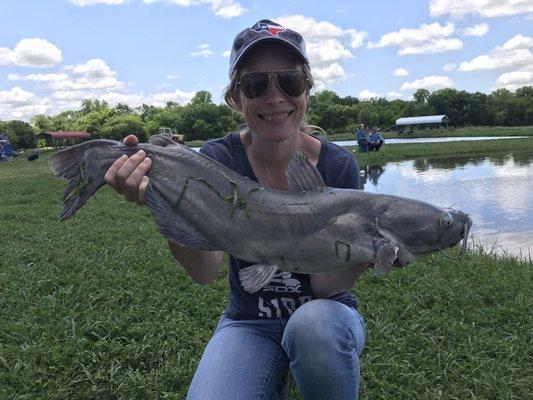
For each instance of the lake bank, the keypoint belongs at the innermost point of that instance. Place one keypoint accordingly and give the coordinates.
(411, 151)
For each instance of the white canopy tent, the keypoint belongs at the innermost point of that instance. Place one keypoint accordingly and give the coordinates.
(425, 120)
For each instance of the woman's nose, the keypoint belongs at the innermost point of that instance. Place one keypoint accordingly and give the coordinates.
(274, 93)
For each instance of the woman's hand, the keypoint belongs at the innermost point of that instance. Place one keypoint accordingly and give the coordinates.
(128, 175)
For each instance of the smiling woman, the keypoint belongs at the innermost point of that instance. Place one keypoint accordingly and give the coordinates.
(307, 325)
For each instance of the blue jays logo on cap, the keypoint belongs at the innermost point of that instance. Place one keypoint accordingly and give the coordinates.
(274, 30)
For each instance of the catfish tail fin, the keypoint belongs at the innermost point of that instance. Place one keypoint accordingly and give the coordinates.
(85, 177)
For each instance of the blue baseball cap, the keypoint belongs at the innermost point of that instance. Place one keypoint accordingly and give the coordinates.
(261, 31)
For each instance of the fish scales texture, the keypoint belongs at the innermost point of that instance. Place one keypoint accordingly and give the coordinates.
(201, 203)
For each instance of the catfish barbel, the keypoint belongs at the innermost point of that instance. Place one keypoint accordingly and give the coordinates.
(199, 203)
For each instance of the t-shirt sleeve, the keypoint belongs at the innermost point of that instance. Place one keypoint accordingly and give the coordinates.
(351, 173)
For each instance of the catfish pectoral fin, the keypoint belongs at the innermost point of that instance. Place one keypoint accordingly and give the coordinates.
(385, 254)
(255, 277)
(172, 226)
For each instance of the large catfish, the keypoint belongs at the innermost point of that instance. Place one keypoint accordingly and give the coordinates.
(200, 203)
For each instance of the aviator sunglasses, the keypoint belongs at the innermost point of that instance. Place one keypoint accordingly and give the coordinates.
(291, 82)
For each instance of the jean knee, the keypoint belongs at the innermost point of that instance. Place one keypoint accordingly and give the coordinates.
(320, 325)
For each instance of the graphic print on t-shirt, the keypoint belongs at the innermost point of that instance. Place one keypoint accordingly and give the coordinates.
(282, 282)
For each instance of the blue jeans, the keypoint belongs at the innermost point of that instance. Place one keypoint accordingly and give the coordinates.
(249, 359)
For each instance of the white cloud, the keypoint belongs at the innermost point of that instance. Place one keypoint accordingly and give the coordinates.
(433, 46)
(366, 94)
(429, 82)
(226, 9)
(357, 37)
(16, 96)
(204, 50)
(73, 84)
(18, 103)
(428, 38)
(514, 80)
(327, 46)
(329, 73)
(482, 8)
(400, 72)
(90, 76)
(476, 30)
(327, 51)
(517, 42)
(394, 95)
(515, 53)
(449, 67)
(226, 54)
(33, 52)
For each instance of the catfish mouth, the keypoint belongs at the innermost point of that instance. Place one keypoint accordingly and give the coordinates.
(464, 237)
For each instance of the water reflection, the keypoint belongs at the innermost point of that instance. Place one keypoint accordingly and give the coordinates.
(495, 189)
(370, 173)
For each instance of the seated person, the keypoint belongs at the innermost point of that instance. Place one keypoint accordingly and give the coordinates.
(375, 140)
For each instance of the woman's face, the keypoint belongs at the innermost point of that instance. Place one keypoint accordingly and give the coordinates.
(273, 116)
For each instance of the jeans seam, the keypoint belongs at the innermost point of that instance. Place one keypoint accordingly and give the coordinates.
(269, 380)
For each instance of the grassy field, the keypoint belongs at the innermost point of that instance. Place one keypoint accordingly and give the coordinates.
(95, 308)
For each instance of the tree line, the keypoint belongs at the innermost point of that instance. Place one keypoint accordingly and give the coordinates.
(201, 119)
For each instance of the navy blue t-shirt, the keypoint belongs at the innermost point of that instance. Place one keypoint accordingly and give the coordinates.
(286, 291)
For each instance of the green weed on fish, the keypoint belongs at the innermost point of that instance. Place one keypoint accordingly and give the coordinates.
(238, 202)
(82, 182)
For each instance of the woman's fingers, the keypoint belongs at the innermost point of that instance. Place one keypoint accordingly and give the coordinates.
(110, 176)
(142, 189)
(129, 176)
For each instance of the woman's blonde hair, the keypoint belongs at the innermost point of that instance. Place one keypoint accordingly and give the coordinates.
(231, 97)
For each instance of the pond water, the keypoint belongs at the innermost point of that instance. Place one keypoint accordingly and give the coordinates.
(496, 190)
(346, 143)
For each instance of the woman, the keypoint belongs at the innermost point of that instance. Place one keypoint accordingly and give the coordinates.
(306, 323)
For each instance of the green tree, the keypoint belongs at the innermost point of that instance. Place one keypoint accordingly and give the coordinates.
(119, 126)
(421, 96)
(21, 135)
(201, 97)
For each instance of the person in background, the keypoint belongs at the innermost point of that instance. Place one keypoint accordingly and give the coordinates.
(361, 136)
(306, 324)
(375, 140)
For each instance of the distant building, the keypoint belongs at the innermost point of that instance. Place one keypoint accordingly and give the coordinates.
(428, 121)
(60, 139)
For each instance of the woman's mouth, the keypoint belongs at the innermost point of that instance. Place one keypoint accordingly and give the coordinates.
(275, 117)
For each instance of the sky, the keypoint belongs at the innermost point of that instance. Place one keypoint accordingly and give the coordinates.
(56, 53)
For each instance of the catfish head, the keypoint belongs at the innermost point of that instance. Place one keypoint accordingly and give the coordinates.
(410, 228)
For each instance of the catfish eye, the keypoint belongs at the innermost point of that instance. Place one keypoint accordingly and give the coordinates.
(447, 221)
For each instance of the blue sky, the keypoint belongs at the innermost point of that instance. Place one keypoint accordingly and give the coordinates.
(54, 54)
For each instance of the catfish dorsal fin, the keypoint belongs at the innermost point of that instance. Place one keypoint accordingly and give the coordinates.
(302, 175)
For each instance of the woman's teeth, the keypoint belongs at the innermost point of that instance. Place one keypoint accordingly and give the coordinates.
(275, 117)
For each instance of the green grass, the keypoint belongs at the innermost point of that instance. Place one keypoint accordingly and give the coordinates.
(465, 131)
(418, 151)
(96, 308)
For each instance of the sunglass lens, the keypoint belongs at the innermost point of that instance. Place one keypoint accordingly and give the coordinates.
(254, 84)
(292, 82)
